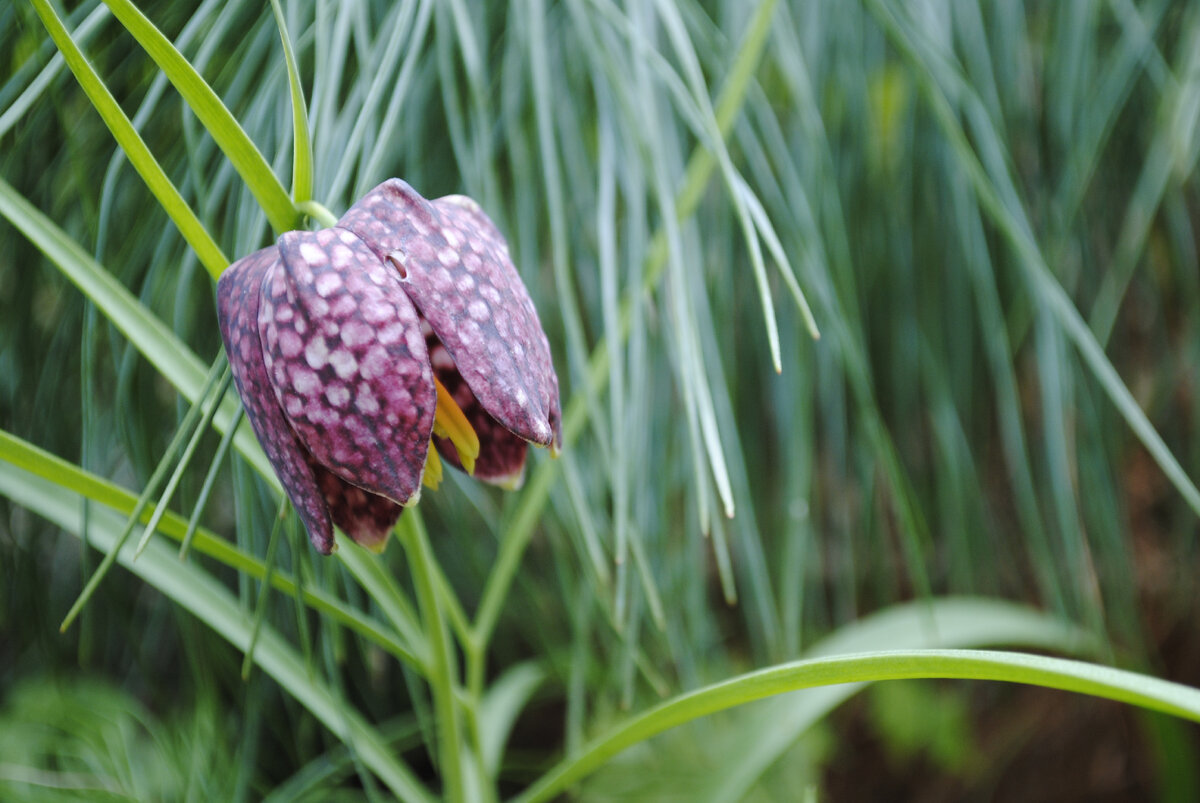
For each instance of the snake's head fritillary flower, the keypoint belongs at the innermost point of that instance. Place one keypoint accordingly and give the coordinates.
(356, 347)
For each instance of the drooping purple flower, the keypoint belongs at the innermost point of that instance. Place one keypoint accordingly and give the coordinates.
(355, 347)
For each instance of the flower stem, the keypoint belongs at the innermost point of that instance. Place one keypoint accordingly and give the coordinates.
(317, 212)
(442, 663)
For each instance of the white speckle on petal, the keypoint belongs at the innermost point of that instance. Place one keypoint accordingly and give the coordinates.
(375, 363)
(338, 395)
(377, 311)
(305, 382)
(356, 333)
(343, 363)
(312, 253)
(328, 282)
(290, 344)
(478, 310)
(318, 307)
(391, 333)
(316, 354)
(365, 402)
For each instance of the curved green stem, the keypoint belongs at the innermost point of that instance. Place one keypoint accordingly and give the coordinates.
(317, 212)
(1055, 673)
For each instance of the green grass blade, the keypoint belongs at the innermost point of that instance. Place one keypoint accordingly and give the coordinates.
(260, 607)
(1036, 670)
(302, 154)
(993, 188)
(186, 459)
(161, 346)
(500, 707)
(381, 586)
(210, 479)
(131, 142)
(942, 623)
(213, 115)
(443, 668)
(182, 433)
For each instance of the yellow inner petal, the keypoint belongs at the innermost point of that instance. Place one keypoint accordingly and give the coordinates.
(449, 421)
(432, 477)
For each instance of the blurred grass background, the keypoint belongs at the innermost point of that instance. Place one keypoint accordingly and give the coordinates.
(944, 436)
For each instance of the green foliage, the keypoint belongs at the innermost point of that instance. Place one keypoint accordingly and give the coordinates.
(72, 738)
(987, 211)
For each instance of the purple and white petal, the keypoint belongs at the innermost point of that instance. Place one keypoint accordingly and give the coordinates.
(501, 459)
(237, 312)
(455, 267)
(345, 353)
(365, 517)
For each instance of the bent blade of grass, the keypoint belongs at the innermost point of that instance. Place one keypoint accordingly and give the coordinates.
(131, 142)
(213, 115)
(1036, 670)
(302, 154)
(685, 50)
(202, 595)
(500, 707)
(946, 622)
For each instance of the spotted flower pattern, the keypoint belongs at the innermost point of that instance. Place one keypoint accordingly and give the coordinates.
(356, 347)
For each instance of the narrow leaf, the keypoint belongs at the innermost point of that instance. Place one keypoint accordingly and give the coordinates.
(1055, 673)
(302, 154)
(131, 142)
(213, 115)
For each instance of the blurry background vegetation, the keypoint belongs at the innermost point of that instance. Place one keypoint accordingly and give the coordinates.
(944, 436)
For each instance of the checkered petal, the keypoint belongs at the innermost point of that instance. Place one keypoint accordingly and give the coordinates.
(344, 351)
(455, 267)
(501, 459)
(237, 314)
(365, 517)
